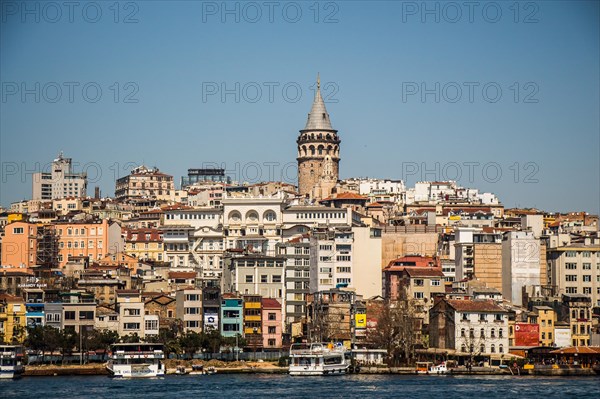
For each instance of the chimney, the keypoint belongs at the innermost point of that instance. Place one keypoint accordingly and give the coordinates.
(97, 192)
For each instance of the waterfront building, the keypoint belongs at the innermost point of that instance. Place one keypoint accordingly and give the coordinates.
(478, 255)
(472, 327)
(296, 252)
(189, 308)
(253, 327)
(545, 318)
(272, 323)
(131, 313)
(12, 318)
(232, 320)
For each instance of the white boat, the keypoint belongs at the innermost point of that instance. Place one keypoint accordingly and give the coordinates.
(11, 361)
(438, 369)
(318, 359)
(137, 360)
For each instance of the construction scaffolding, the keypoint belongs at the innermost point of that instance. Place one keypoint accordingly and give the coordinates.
(47, 247)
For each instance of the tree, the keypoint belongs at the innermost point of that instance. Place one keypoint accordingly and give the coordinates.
(130, 338)
(190, 342)
(43, 339)
(67, 340)
(102, 340)
(396, 331)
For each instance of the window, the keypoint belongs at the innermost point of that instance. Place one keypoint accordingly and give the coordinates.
(343, 258)
(18, 230)
(131, 326)
(493, 333)
(192, 310)
(192, 324)
(192, 297)
(500, 335)
(249, 278)
(587, 278)
(86, 315)
(418, 295)
(482, 333)
(276, 278)
(151, 325)
(571, 266)
(418, 282)
(493, 348)
(482, 317)
(571, 290)
(264, 278)
(271, 341)
(571, 277)
(462, 332)
(70, 315)
(587, 266)
(132, 312)
(272, 330)
(571, 254)
(501, 348)
(435, 283)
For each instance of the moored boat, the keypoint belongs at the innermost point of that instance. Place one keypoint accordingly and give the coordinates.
(318, 359)
(11, 361)
(137, 360)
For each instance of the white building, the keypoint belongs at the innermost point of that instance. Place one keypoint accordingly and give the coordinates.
(469, 326)
(60, 182)
(520, 264)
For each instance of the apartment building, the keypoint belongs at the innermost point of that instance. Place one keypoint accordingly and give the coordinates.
(189, 308)
(145, 182)
(272, 322)
(521, 264)
(331, 254)
(575, 269)
(469, 326)
(145, 244)
(59, 182)
(232, 319)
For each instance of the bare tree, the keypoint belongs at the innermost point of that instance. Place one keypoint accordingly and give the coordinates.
(397, 329)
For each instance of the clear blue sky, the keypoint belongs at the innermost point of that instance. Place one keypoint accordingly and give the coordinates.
(376, 56)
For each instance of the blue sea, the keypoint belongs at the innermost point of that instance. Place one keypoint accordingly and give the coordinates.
(283, 386)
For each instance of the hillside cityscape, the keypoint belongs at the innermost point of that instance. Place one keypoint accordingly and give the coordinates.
(208, 264)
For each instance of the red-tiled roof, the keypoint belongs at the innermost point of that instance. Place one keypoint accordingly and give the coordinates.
(140, 235)
(345, 196)
(270, 303)
(184, 275)
(424, 272)
(474, 305)
(591, 350)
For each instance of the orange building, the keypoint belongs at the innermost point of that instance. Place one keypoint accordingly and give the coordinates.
(19, 244)
(94, 239)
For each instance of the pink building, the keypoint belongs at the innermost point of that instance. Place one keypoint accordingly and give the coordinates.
(19, 245)
(271, 324)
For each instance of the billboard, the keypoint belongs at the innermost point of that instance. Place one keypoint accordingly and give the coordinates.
(360, 320)
(211, 320)
(562, 336)
(527, 334)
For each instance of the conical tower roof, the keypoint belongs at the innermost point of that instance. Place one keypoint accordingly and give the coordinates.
(318, 118)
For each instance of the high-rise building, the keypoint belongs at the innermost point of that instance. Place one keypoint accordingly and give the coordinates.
(318, 152)
(60, 182)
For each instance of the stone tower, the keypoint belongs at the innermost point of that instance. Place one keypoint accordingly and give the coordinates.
(318, 152)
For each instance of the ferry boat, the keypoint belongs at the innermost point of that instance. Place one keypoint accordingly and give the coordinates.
(319, 359)
(11, 361)
(138, 360)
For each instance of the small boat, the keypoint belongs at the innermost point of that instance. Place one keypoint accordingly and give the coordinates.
(438, 369)
(198, 369)
(423, 367)
(11, 361)
(319, 359)
(181, 370)
(137, 360)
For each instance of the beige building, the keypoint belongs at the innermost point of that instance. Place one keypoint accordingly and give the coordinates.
(60, 182)
(396, 244)
(145, 182)
(366, 262)
(145, 244)
(189, 308)
(575, 269)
